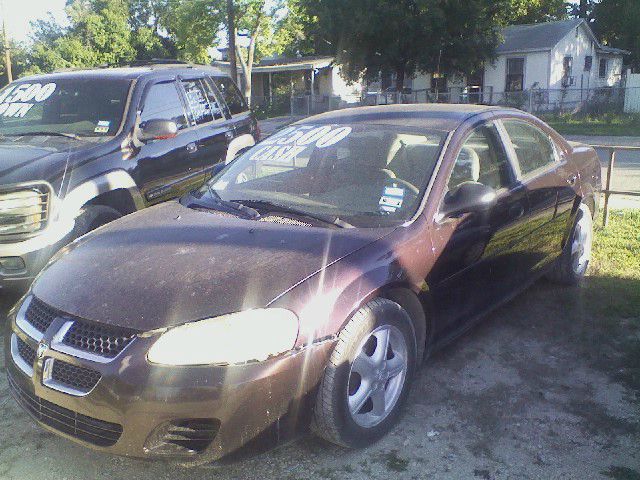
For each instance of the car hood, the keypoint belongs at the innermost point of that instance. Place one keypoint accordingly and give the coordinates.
(169, 264)
(43, 158)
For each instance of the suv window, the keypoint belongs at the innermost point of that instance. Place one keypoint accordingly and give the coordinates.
(231, 94)
(482, 159)
(533, 147)
(163, 102)
(213, 97)
(198, 102)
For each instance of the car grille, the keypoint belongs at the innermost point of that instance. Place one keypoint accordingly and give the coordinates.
(102, 340)
(40, 315)
(27, 353)
(78, 378)
(82, 427)
(23, 211)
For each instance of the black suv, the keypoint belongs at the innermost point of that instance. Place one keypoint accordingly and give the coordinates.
(81, 148)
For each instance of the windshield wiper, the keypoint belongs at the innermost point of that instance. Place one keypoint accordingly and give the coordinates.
(42, 134)
(333, 220)
(217, 201)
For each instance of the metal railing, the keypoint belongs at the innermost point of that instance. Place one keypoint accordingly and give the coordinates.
(607, 191)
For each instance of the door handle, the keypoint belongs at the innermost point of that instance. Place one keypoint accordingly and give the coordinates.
(572, 179)
(192, 147)
(228, 134)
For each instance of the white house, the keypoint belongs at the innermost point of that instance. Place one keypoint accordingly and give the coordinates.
(563, 59)
(553, 55)
(315, 80)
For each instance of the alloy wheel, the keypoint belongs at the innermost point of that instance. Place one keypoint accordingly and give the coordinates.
(377, 376)
(581, 242)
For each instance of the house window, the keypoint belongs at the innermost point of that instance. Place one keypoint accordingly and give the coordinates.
(438, 83)
(602, 71)
(588, 62)
(515, 75)
(567, 70)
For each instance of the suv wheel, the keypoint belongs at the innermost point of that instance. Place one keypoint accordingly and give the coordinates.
(94, 216)
(368, 376)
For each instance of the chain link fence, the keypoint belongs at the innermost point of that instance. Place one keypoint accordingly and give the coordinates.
(587, 101)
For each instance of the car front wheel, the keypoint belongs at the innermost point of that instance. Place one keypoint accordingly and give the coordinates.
(368, 376)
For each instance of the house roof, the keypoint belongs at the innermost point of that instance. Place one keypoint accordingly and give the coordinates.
(537, 36)
(285, 64)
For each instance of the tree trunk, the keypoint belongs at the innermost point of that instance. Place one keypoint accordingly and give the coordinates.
(231, 28)
(400, 74)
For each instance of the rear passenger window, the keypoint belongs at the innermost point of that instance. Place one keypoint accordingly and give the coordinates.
(163, 103)
(482, 159)
(533, 147)
(231, 94)
(197, 100)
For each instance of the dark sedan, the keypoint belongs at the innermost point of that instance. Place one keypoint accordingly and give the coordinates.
(303, 284)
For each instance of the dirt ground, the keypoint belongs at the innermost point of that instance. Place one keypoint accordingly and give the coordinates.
(546, 387)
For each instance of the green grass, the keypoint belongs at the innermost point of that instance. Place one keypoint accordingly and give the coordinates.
(608, 124)
(616, 248)
(613, 285)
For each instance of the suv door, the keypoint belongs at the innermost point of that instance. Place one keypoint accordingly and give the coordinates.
(213, 128)
(483, 254)
(237, 108)
(166, 168)
(549, 181)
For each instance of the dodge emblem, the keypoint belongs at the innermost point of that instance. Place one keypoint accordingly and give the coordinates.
(42, 349)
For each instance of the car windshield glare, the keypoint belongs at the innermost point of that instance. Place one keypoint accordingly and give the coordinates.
(87, 107)
(368, 175)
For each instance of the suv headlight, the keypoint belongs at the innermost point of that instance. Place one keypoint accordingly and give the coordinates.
(23, 211)
(234, 338)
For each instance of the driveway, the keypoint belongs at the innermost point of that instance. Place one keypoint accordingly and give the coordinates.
(543, 388)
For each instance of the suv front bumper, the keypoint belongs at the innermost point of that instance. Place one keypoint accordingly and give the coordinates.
(35, 252)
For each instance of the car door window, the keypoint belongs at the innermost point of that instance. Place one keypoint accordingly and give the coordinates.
(197, 101)
(163, 102)
(213, 97)
(534, 149)
(231, 94)
(482, 159)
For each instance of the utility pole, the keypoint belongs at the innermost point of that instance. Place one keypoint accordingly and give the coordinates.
(231, 27)
(7, 53)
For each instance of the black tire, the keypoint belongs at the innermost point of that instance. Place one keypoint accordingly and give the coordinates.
(92, 217)
(563, 272)
(332, 419)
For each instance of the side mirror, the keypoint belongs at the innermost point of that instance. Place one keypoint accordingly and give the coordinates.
(157, 130)
(469, 197)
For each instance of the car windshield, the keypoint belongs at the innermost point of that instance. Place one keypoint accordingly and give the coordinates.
(76, 107)
(362, 175)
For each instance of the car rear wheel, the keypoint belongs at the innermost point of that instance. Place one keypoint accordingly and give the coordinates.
(368, 376)
(574, 261)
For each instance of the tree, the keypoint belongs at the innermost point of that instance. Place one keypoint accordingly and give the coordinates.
(617, 23)
(535, 11)
(403, 36)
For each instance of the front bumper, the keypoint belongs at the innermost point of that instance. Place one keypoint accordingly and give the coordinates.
(35, 253)
(137, 406)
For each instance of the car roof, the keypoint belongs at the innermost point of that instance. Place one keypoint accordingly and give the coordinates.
(445, 117)
(127, 73)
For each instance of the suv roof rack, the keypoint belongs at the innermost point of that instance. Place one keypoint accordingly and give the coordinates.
(155, 62)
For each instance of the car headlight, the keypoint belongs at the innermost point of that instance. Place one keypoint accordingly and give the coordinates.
(23, 211)
(234, 338)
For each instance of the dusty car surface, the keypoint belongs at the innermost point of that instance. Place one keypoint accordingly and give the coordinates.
(303, 284)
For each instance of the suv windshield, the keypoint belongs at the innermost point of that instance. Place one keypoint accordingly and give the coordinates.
(364, 175)
(76, 107)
